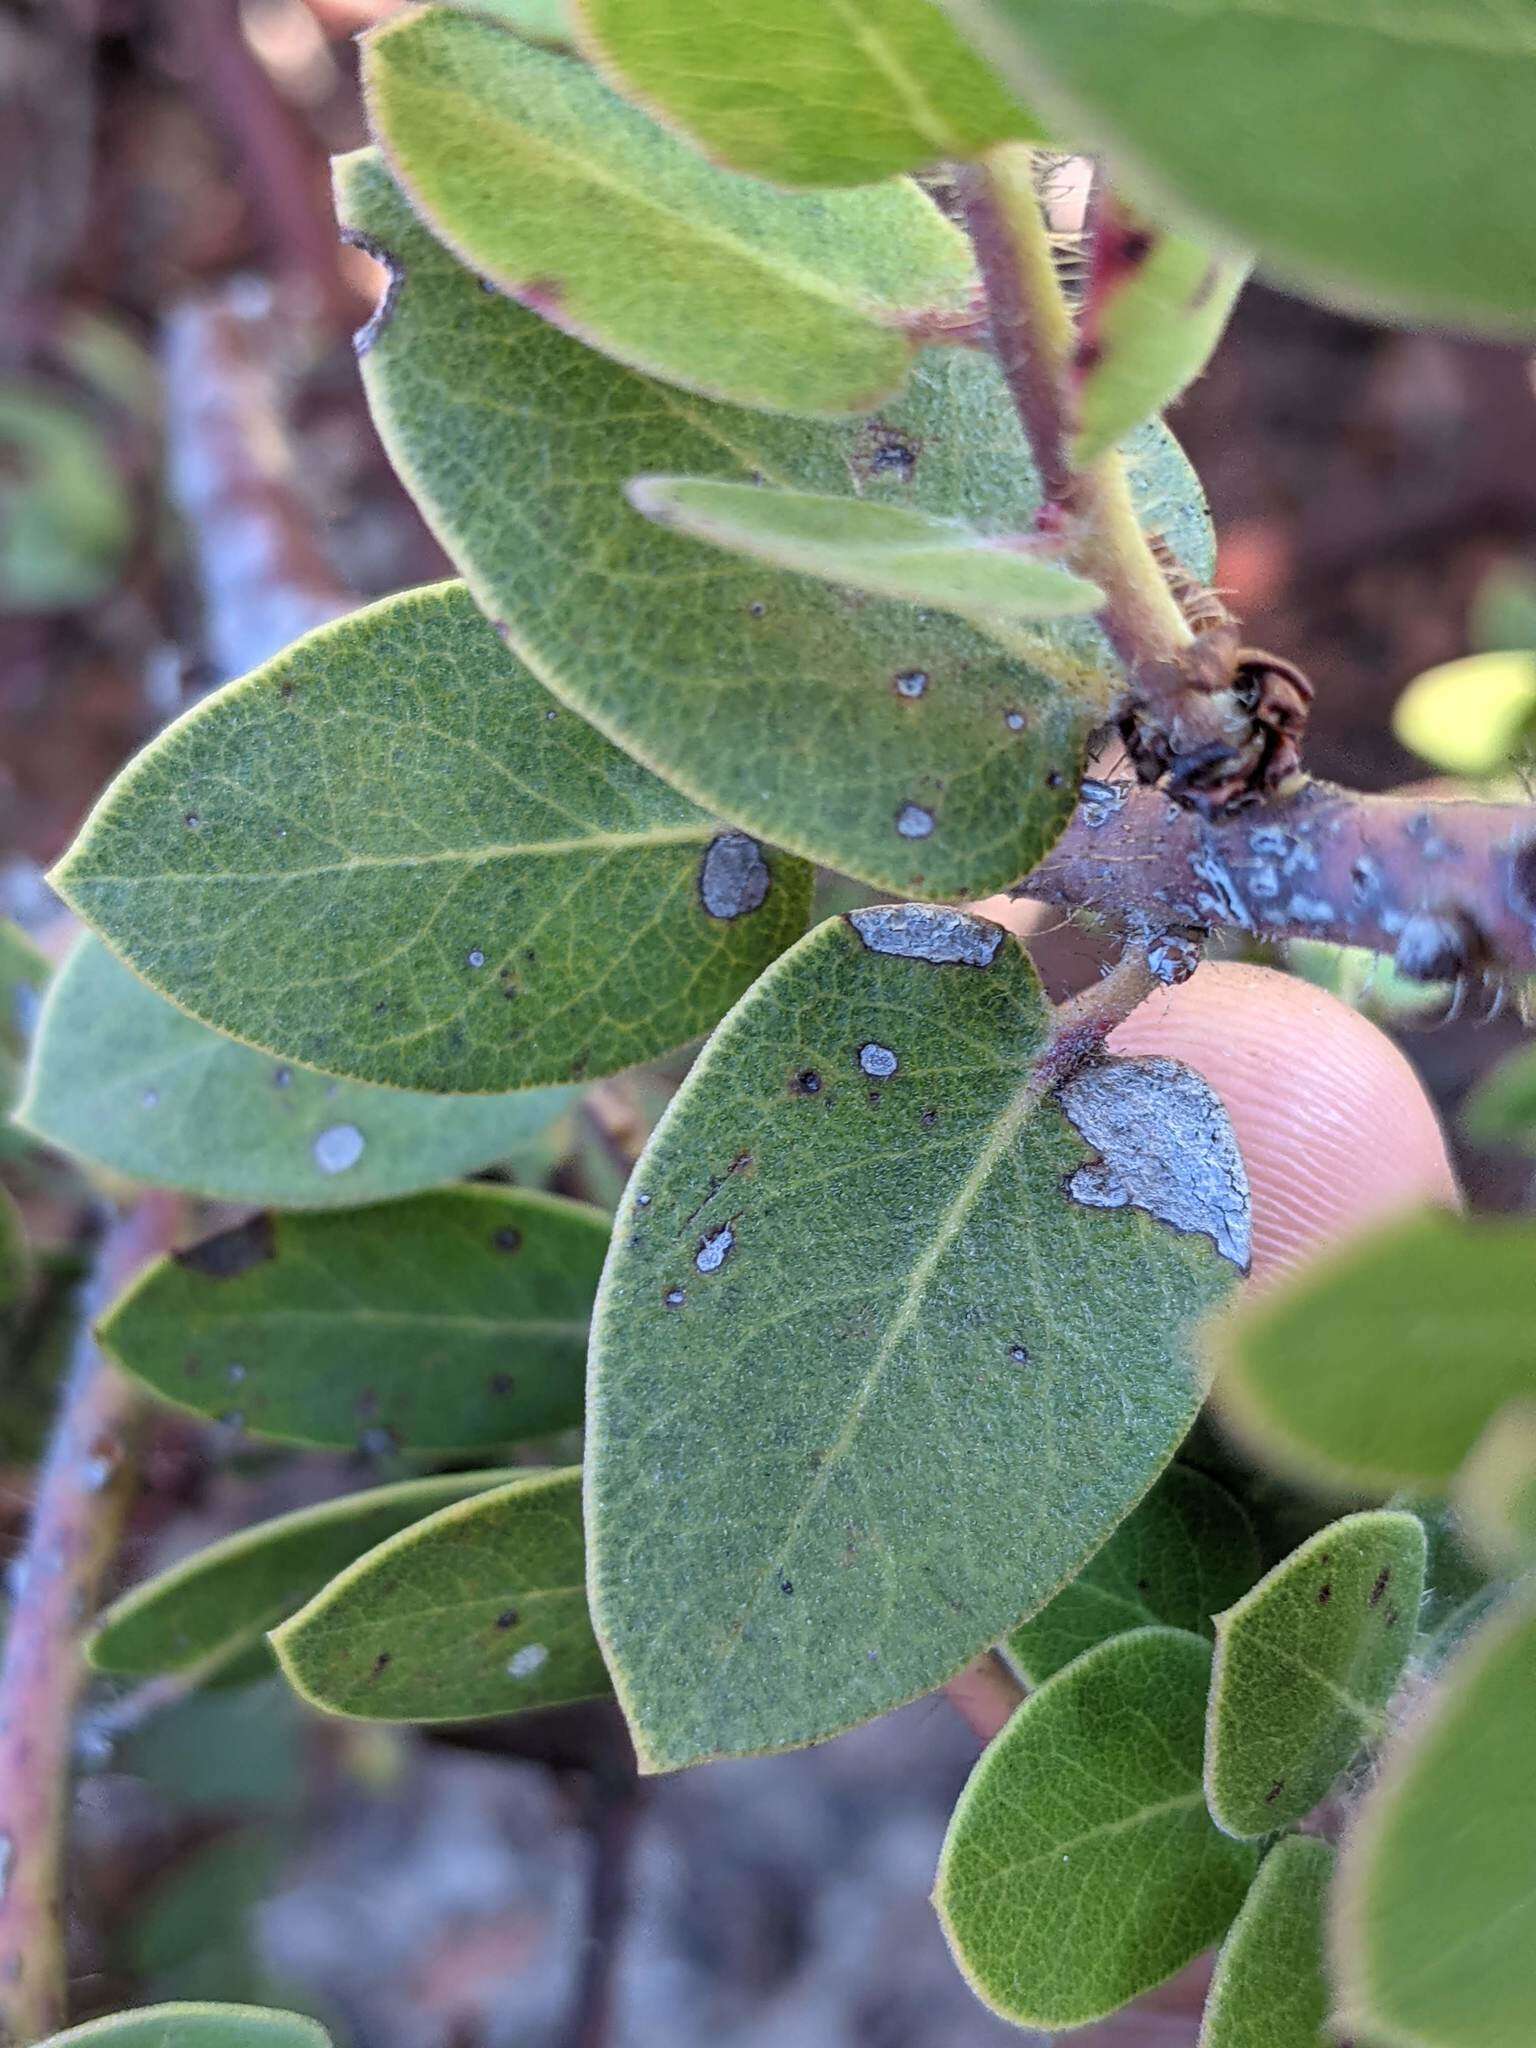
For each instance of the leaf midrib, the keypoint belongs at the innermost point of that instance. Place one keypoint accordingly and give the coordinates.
(536, 1326)
(1142, 1817)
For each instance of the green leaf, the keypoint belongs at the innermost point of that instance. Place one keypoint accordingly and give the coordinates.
(1501, 1109)
(540, 21)
(839, 95)
(1503, 611)
(195, 2026)
(575, 204)
(1365, 128)
(1305, 1665)
(15, 1264)
(1496, 1487)
(1080, 1867)
(885, 549)
(450, 1321)
(121, 1077)
(851, 725)
(1269, 1990)
(1152, 335)
(65, 515)
(865, 1268)
(1435, 1912)
(388, 854)
(478, 1610)
(1470, 717)
(1183, 1555)
(23, 975)
(1312, 1375)
(223, 1600)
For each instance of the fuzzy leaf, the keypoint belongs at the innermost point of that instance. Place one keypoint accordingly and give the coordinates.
(195, 2026)
(1435, 1909)
(388, 854)
(65, 514)
(823, 95)
(23, 975)
(864, 1263)
(1080, 1867)
(559, 194)
(15, 1264)
(887, 550)
(883, 741)
(1470, 717)
(1501, 1109)
(1178, 1559)
(541, 21)
(1153, 334)
(1365, 128)
(121, 1077)
(1305, 1665)
(478, 1610)
(1496, 1487)
(1269, 1990)
(449, 1321)
(220, 1602)
(1312, 1374)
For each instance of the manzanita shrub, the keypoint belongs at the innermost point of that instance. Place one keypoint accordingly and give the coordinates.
(801, 455)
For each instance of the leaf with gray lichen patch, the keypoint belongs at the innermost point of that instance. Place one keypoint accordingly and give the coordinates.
(847, 1287)
(389, 854)
(883, 740)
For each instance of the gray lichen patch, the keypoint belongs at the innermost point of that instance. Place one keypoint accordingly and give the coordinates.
(1165, 1145)
(927, 931)
(878, 1061)
(733, 876)
(715, 1249)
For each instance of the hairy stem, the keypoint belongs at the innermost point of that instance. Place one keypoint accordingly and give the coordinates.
(83, 1490)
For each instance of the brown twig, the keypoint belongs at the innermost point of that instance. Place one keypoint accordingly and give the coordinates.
(985, 1695)
(83, 1491)
(614, 1802)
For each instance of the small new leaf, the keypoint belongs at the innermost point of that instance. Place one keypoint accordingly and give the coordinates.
(1185, 1553)
(121, 1077)
(1305, 1666)
(478, 1610)
(1496, 1488)
(1470, 717)
(195, 2026)
(840, 95)
(200, 1615)
(574, 203)
(390, 855)
(1080, 1867)
(1269, 1990)
(454, 1320)
(1434, 1923)
(868, 1259)
(888, 550)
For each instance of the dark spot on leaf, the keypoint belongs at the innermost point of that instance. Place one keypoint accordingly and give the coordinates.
(382, 1662)
(928, 1119)
(1383, 1580)
(540, 295)
(1014, 720)
(507, 1620)
(384, 311)
(806, 1082)
(1019, 1354)
(283, 1078)
(1055, 779)
(1324, 1594)
(733, 876)
(192, 821)
(1090, 353)
(1392, 1617)
(1274, 1792)
(380, 1442)
(786, 1586)
(1326, 1557)
(501, 1383)
(911, 682)
(674, 1297)
(507, 1239)
(884, 450)
(1143, 1585)
(757, 609)
(232, 1252)
(193, 1368)
(285, 688)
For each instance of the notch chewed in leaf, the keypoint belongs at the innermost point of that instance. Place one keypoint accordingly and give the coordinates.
(796, 1372)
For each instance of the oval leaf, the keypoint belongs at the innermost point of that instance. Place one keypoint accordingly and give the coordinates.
(218, 1604)
(1312, 1374)
(1269, 1990)
(1502, 1107)
(195, 2026)
(1367, 127)
(121, 1077)
(1183, 1555)
(854, 1272)
(754, 691)
(388, 854)
(1435, 1912)
(838, 95)
(1496, 1488)
(541, 21)
(23, 976)
(888, 550)
(1470, 717)
(572, 202)
(1080, 1867)
(478, 1610)
(449, 1321)
(1305, 1666)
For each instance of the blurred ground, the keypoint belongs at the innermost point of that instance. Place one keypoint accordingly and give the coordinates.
(422, 1894)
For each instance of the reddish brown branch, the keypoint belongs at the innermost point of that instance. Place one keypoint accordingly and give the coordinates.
(985, 1695)
(1449, 889)
(83, 1491)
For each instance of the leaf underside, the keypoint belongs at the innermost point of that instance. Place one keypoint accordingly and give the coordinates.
(195, 2026)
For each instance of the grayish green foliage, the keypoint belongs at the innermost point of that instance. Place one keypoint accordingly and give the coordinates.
(1383, 159)
(23, 974)
(568, 199)
(749, 689)
(1305, 1666)
(541, 21)
(828, 95)
(1501, 1110)
(451, 1320)
(121, 1077)
(481, 1609)
(1312, 1374)
(1185, 1553)
(65, 514)
(1269, 1990)
(195, 2026)
(1434, 1925)
(221, 1601)
(389, 854)
(14, 1263)
(866, 1267)
(1081, 1867)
